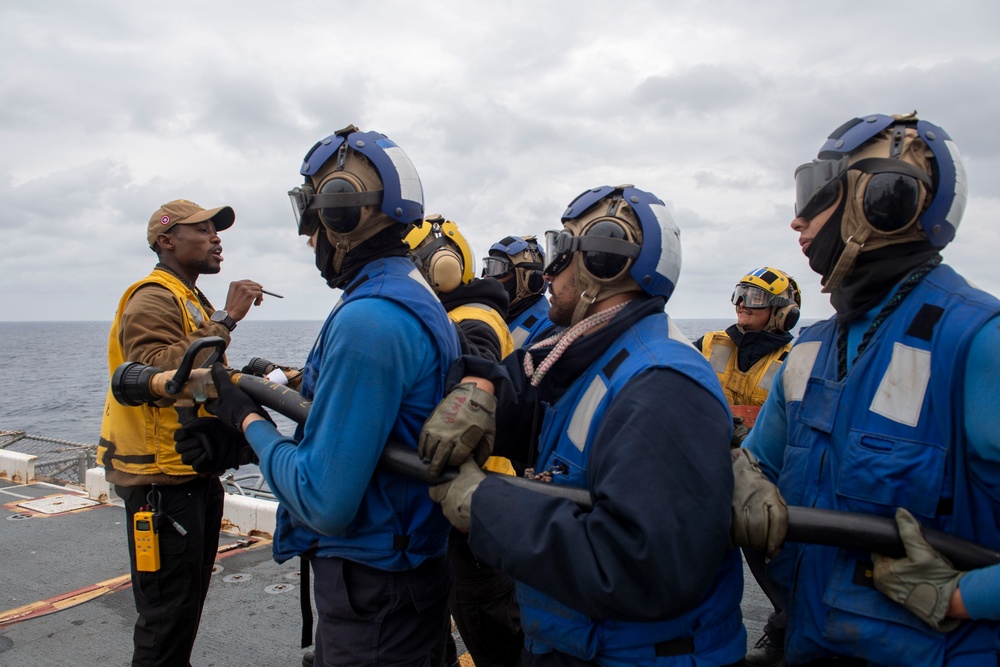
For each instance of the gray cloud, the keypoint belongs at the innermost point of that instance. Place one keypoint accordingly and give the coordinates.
(507, 111)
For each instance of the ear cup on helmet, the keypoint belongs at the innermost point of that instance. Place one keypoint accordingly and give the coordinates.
(342, 219)
(606, 265)
(535, 281)
(444, 270)
(786, 317)
(892, 201)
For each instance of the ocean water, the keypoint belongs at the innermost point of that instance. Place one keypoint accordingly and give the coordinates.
(54, 375)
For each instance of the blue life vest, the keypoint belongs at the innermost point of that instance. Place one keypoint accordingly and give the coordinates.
(528, 324)
(891, 434)
(397, 526)
(568, 429)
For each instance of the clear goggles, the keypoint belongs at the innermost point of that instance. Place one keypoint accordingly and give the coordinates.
(817, 186)
(496, 267)
(755, 297)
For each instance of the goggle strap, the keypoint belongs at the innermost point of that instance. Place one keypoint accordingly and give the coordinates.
(346, 199)
(606, 244)
(881, 165)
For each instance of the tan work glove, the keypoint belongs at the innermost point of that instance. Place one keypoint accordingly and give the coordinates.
(455, 497)
(463, 424)
(923, 581)
(760, 515)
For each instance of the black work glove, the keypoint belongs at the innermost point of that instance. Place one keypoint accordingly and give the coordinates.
(209, 445)
(740, 433)
(233, 405)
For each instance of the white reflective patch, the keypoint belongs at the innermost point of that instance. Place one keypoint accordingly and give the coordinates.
(675, 333)
(519, 334)
(900, 394)
(954, 215)
(798, 367)
(195, 312)
(416, 274)
(669, 264)
(409, 181)
(579, 425)
(720, 357)
(768, 379)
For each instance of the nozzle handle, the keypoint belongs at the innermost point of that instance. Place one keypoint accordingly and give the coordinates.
(176, 383)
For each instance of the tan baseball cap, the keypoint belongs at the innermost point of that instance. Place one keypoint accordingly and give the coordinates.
(184, 212)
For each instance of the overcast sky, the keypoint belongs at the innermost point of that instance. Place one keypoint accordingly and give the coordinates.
(508, 110)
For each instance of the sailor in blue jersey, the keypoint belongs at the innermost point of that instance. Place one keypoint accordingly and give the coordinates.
(622, 404)
(376, 542)
(517, 263)
(890, 407)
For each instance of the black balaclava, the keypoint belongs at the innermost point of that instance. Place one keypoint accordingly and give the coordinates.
(874, 273)
(386, 243)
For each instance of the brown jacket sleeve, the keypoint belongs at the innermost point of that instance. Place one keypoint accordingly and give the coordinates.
(152, 329)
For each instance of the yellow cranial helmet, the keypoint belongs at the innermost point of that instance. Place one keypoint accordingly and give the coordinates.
(442, 253)
(768, 287)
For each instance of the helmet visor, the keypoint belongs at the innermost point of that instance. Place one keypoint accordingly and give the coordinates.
(755, 297)
(496, 267)
(817, 185)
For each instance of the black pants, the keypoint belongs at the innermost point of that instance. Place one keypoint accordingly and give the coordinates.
(777, 621)
(556, 659)
(170, 600)
(368, 616)
(484, 607)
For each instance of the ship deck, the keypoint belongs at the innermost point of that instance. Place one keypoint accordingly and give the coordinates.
(65, 595)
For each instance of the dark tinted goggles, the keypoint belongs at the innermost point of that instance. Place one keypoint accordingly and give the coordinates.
(560, 246)
(817, 185)
(305, 220)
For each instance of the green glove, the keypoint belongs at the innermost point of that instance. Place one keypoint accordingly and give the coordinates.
(923, 582)
(455, 497)
(463, 424)
(760, 515)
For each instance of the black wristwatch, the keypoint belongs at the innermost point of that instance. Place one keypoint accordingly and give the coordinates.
(222, 317)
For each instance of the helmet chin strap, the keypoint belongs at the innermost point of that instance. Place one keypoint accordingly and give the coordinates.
(855, 244)
(585, 301)
(593, 290)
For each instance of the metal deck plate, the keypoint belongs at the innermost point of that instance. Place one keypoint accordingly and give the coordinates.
(57, 504)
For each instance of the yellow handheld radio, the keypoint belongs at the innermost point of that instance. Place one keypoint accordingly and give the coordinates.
(147, 542)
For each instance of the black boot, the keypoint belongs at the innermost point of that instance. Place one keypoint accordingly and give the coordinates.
(767, 652)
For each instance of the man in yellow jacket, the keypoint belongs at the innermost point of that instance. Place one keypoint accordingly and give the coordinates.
(746, 357)
(157, 319)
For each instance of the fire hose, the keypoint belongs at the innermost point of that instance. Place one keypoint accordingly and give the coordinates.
(135, 384)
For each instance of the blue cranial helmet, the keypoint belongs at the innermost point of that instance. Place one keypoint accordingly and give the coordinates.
(947, 183)
(338, 183)
(655, 264)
